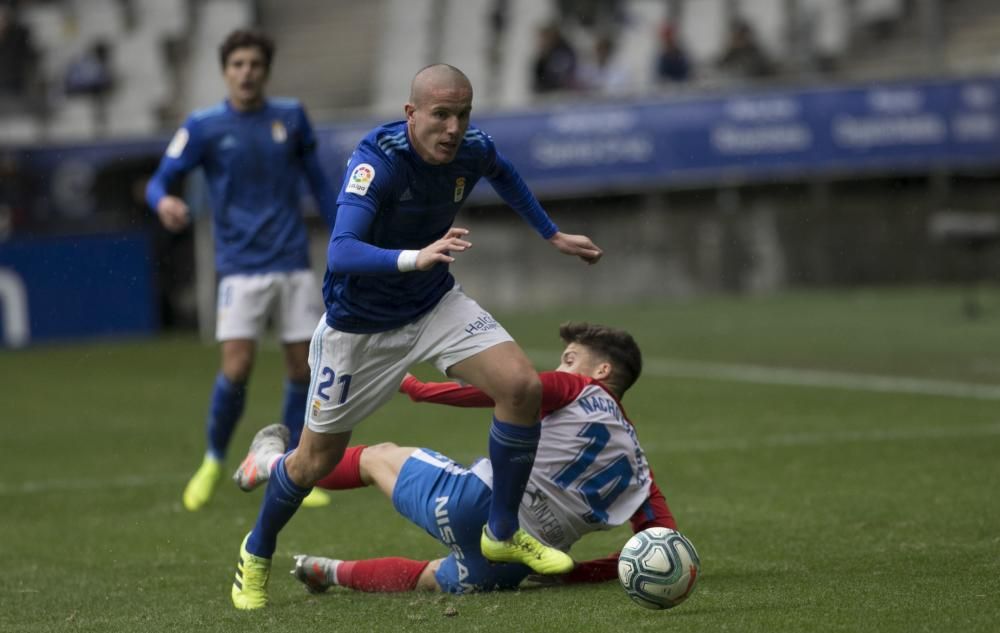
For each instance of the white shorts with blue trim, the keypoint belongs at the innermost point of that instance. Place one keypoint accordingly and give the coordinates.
(355, 374)
(452, 503)
(246, 302)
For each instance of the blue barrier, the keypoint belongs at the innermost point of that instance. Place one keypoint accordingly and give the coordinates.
(583, 149)
(75, 287)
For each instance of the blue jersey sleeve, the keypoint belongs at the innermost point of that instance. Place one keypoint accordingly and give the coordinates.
(183, 154)
(349, 252)
(508, 183)
(319, 184)
(369, 180)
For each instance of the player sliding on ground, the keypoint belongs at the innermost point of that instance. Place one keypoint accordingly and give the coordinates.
(590, 474)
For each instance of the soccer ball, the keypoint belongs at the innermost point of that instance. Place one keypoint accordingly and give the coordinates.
(658, 568)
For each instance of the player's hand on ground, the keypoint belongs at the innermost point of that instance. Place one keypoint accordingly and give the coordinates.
(173, 212)
(452, 242)
(578, 245)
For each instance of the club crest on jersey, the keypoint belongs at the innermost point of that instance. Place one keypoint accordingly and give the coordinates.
(278, 132)
(459, 189)
(360, 178)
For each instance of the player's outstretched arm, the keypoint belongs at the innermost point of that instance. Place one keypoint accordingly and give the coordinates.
(450, 393)
(579, 245)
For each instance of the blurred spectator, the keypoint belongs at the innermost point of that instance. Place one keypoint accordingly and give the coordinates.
(605, 74)
(498, 18)
(811, 52)
(90, 74)
(555, 63)
(17, 59)
(601, 16)
(744, 56)
(672, 62)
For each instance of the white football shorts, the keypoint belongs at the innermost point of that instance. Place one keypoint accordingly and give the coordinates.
(355, 374)
(246, 301)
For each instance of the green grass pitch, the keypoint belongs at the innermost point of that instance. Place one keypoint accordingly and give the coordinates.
(857, 502)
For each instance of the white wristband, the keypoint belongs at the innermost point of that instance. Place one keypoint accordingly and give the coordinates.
(407, 261)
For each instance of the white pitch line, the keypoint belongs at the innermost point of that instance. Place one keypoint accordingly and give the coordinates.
(794, 440)
(761, 375)
(820, 378)
(755, 374)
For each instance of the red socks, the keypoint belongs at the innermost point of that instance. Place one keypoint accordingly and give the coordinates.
(376, 574)
(380, 574)
(346, 474)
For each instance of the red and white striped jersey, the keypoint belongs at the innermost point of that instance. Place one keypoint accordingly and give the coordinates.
(590, 472)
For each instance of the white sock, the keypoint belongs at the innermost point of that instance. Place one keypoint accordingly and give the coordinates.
(331, 575)
(274, 460)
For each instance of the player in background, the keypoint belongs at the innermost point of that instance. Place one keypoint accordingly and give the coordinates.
(590, 474)
(254, 152)
(391, 303)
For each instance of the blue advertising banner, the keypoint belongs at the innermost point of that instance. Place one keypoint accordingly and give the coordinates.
(84, 286)
(75, 287)
(582, 148)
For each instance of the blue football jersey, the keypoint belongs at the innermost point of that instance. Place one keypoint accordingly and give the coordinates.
(253, 163)
(404, 203)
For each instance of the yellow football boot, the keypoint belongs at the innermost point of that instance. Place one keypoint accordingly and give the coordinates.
(527, 550)
(250, 584)
(202, 485)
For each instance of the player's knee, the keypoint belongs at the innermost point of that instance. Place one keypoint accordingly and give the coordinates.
(237, 376)
(382, 447)
(299, 375)
(237, 365)
(297, 367)
(522, 390)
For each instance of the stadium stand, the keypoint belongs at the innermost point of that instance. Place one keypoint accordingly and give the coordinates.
(163, 51)
(733, 209)
(326, 52)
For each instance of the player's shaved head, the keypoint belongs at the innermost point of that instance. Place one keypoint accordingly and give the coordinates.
(434, 78)
(437, 114)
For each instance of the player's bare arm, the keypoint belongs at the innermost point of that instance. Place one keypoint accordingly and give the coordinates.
(439, 251)
(578, 245)
(173, 212)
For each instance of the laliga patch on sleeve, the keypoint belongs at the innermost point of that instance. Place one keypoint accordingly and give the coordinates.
(361, 177)
(178, 143)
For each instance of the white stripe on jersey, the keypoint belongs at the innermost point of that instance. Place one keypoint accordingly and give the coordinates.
(480, 468)
(590, 472)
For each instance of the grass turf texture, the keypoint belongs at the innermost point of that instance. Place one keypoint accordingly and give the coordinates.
(813, 508)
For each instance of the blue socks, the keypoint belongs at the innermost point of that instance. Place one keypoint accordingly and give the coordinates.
(512, 453)
(281, 499)
(293, 410)
(225, 409)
